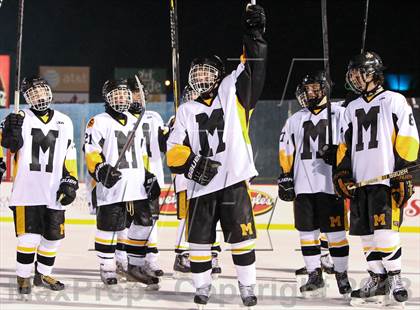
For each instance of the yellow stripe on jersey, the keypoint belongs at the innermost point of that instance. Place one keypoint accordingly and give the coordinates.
(395, 215)
(25, 249)
(199, 258)
(286, 161)
(15, 165)
(338, 244)
(407, 147)
(146, 162)
(341, 152)
(20, 220)
(71, 167)
(137, 242)
(244, 121)
(48, 254)
(182, 204)
(178, 155)
(309, 242)
(105, 241)
(92, 159)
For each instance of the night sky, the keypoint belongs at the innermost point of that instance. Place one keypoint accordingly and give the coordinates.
(135, 33)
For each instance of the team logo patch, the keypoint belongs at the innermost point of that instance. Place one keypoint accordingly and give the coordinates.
(91, 122)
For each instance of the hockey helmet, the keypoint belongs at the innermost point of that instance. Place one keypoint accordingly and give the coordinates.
(311, 92)
(37, 93)
(117, 94)
(363, 69)
(205, 74)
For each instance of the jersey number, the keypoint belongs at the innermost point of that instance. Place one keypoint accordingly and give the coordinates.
(208, 125)
(121, 141)
(45, 143)
(311, 131)
(366, 121)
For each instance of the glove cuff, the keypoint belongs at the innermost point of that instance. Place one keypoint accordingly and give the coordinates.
(70, 181)
(192, 166)
(97, 169)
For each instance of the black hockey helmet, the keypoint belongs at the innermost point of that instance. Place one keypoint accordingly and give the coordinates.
(205, 74)
(117, 94)
(364, 69)
(313, 90)
(139, 94)
(37, 92)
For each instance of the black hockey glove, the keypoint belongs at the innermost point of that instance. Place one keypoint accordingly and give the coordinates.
(151, 186)
(2, 168)
(254, 20)
(286, 187)
(12, 132)
(328, 153)
(201, 169)
(67, 190)
(107, 175)
(402, 189)
(342, 180)
(154, 209)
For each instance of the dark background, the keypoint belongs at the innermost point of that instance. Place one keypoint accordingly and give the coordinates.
(104, 34)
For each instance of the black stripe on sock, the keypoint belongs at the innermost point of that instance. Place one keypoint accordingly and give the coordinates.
(136, 250)
(311, 250)
(48, 261)
(374, 256)
(244, 259)
(340, 252)
(397, 254)
(200, 267)
(25, 258)
(105, 248)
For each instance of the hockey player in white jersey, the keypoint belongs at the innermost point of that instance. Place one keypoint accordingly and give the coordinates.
(379, 136)
(182, 263)
(153, 129)
(210, 146)
(306, 179)
(45, 181)
(122, 189)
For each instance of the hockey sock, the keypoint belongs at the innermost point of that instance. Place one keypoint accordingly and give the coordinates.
(121, 251)
(152, 251)
(339, 250)
(105, 245)
(137, 239)
(373, 257)
(180, 244)
(215, 247)
(47, 250)
(311, 249)
(388, 244)
(324, 243)
(26, 248)
(243, 255)
(200, 259)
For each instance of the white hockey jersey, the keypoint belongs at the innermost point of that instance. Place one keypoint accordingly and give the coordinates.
(218, 131)
(378, 137)
(105, 137)
(150, 125)
(47, 150)
(300, 140)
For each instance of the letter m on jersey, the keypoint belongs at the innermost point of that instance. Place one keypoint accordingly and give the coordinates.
(366, 121)
(45, 143)
(311, 131)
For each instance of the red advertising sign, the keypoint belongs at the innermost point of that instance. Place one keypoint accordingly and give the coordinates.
(261, 202)
(4, 80)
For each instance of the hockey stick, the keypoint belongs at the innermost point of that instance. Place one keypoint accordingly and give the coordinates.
(365, 27)
(326, 65)
(18, 54)
(175, 53)
(392, 175)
